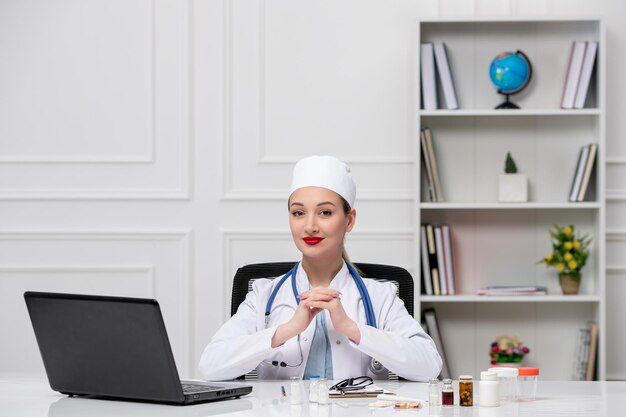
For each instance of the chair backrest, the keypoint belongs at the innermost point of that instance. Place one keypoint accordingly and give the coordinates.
(245, 275)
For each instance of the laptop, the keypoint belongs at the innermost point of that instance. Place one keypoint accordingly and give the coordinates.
(113, 347)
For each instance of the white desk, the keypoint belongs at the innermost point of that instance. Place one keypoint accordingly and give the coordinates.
(32, 397)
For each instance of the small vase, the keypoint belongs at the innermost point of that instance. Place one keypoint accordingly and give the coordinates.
(570, 283)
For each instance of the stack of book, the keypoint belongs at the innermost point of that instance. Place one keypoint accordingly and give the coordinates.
(438, 277)
(585, 356)
(430, 166)
(508, 290)
(584, 169)
(581, 64)
(435, 56)
(431, 326)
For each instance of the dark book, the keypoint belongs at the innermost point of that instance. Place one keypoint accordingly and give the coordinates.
(578, 174)
(432, 328)
(427, 281)
(432, 258)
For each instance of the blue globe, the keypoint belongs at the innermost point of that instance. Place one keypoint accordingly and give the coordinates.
(510, 72)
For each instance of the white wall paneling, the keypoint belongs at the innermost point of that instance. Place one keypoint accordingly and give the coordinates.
(96, 112)
(135, 263)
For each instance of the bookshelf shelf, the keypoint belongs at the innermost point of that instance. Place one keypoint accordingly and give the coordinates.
(499, 244)
(511, 113)
(511, 299)
(511, 206)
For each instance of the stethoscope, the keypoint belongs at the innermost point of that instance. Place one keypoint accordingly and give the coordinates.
(365, 297)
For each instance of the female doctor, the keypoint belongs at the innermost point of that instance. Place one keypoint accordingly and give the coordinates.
(321, 318)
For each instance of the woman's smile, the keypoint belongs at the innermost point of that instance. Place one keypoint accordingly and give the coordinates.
(312, 240)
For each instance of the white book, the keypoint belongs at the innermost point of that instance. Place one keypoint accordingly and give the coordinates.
(428, 284)
(445, 76)
(447, 247)
(433, 163)
(427, 66)
(573, 74)
(578, 175)
(585, 75)
(593, 148)
(441, 260)
(428, 168)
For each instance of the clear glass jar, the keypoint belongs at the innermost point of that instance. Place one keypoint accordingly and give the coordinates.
(528, 383)
(466, 391)
(447, 393)
(434, 393)
(322, 391)
(507, 377)
(313, 390)
(295, 396)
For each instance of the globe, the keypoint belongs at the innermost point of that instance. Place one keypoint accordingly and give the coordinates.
(510, 72)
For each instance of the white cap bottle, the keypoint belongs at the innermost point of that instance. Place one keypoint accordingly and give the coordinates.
(488, 389)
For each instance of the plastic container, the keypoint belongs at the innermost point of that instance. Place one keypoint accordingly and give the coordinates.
(295, 396)
(488, 389)
(466, 391)
(507, 377)
(314, 381)
(527, 380)
(434, 393)
(322, 391)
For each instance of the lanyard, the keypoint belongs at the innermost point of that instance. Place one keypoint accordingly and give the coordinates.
(367, 302)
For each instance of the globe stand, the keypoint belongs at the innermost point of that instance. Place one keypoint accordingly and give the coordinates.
(507, 104)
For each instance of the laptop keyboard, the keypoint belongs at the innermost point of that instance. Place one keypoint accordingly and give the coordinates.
(189, 388)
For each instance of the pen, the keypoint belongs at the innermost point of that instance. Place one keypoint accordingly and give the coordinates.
(282, 389)
(391, 397)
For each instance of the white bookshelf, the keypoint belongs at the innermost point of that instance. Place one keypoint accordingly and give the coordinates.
(501, 243)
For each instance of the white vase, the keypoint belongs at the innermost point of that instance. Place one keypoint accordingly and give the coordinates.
(512, 188)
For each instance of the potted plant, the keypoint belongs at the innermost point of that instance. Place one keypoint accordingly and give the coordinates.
(568, 256)
(512, 186)
(507, 350)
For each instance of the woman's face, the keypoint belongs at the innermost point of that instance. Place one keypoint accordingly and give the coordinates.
(318, 222)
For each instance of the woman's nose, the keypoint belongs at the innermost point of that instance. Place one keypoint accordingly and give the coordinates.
(311, 225)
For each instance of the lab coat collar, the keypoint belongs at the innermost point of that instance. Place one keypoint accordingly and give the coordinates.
(338, 282)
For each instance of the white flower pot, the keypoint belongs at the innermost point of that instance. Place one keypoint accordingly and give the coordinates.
(512, 188)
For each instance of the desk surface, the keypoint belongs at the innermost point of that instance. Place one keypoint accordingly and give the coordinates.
(31, 396)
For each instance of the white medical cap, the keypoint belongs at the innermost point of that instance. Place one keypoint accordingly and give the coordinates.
(326, 172)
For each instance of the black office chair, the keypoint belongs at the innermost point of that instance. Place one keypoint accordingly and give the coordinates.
(242, 283)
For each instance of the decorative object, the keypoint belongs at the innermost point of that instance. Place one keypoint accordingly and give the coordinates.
(510, 72)
(512, 187)
(508, 351)
(568, 256)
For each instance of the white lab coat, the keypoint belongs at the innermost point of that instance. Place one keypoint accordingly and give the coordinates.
(244, 341)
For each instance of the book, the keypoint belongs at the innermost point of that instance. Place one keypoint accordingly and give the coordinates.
(427, 279)
(433, 163)
(593, 347)
(593, 148)
(432, 328)
(579, 360)
(516, 290)
(428, 168)
(447, 247)
(578, 174)
(429, 86)
(573, 74)
(445, 76)
(441, 261)
(585, 74)
(432, 259)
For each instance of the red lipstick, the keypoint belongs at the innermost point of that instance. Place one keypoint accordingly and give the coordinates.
(312, 240)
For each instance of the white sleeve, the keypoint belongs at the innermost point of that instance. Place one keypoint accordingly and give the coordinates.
(400, 343)
(238, 346)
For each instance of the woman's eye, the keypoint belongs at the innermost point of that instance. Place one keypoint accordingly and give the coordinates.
(297, 213)
(326, 213)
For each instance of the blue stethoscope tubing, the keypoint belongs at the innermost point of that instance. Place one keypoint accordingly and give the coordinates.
(367, 301)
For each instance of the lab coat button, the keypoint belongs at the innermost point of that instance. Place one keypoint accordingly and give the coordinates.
(305, 339)
(338, 341)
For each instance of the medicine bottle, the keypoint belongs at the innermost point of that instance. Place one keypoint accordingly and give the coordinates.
(322, 391)
(447, 393)
(466, 391)
(528, 383)
(488, 389)
(314, 381)
(295, 396)
(507, 377)
(434, 393)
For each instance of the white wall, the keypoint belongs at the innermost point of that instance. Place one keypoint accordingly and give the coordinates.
(146, 146)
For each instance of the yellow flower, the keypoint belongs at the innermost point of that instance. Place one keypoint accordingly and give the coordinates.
(560, 266)
(567, 245)
(567, 257)
(567, 230)
(549, 257)
(572, 265)
(576, 244)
